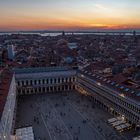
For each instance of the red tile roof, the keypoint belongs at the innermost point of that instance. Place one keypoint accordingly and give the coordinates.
(119, 78)
(127, 94)
(5, 80)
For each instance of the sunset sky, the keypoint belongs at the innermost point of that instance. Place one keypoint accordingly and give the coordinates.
(69, 14)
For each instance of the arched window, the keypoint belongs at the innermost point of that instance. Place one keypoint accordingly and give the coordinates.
(62, 80)
(43, 89)
(62, 87)
(66, 87)
(26, 82)
(66, 79)
(31, 90)
(73, 86)
(51, 89)
(58, 80)
(19, 91)
(18, 83)
(23, 91)
(43, 81)
(59, 88)
(50, 81)
(39, 89)
(31, 82)
(47, 89)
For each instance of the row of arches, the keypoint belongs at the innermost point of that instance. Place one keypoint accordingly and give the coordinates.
(45, 81)
(49, 89)
(109, 106)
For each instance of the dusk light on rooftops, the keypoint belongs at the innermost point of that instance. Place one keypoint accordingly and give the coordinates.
(69, 69)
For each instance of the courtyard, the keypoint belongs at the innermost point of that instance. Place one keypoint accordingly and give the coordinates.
(69, 116)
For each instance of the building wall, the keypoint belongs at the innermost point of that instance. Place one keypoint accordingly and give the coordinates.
(7, 118)
(109, 99)
(29, 83)
(11, 52)
(46, 84)
(49, 82)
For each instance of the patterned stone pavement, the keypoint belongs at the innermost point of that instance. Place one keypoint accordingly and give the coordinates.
(59, 117)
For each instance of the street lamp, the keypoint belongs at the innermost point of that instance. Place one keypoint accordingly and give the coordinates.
(99, 84)
(123, 117)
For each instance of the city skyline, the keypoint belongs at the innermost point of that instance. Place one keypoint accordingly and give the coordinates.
(69, 14)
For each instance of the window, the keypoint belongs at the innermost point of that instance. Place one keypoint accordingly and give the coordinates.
(31, 90)
(58, 80)
(51, 89)
(27, 82)
(50, 81)
(23, 91)
(31, 82)
(47, 89)
(35, 90)
(66, 79)
(39, 89)
(62, 88)
(18, 83)
(66, 87)
(54, 80)
(47, 81)
(62, 79)
(19, 91)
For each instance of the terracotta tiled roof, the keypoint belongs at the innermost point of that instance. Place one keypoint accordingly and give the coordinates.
(131, 93)
(5, 78)
(119, 78)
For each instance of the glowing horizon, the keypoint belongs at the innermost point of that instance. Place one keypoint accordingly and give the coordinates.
(69, 14)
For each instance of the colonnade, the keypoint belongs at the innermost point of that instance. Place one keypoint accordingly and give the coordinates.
(108, 105)
(45, 85)
(48, 89)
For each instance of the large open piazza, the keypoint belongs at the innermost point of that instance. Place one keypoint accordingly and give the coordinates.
(68, 116)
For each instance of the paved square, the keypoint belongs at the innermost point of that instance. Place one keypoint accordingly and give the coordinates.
(65, 117)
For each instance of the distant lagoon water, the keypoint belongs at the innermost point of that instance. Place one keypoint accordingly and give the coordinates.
(75, 33)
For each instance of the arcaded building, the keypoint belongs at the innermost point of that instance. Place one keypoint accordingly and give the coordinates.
(44, 80)
(28, 81)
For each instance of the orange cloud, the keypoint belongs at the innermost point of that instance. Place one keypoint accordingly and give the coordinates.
(65, 24)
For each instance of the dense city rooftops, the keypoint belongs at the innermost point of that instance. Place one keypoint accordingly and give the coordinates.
(115, 58)
(117, 88)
